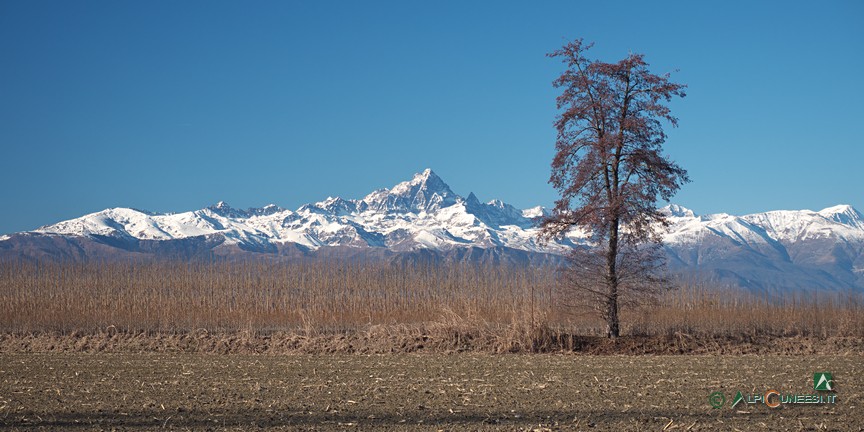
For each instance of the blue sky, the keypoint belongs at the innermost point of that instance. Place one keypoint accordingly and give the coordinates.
(172, 106)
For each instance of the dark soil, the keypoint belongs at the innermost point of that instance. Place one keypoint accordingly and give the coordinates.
(441, 339)
(183, 391)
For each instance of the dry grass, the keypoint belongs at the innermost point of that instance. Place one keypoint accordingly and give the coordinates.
(456, 307)
(264, 297)
(700, 310)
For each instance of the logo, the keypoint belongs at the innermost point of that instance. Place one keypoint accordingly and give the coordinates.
(773, 399)
(772, 402)
(738, 398)
(823, 381)
(717, 399)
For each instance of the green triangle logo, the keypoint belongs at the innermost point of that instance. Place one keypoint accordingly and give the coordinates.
(823, 381)
(738, 398)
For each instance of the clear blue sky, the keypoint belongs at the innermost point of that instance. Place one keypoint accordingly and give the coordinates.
(174, 105)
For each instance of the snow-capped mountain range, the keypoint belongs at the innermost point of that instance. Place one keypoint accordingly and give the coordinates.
(421, 213)
(424, 217)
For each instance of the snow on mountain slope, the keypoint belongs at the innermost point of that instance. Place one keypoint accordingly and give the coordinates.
(420, 213)
(823, 247)
(844, 214)
(426, 192)
(535, 212)
(692, 229)
(675, 210)
(783, 226)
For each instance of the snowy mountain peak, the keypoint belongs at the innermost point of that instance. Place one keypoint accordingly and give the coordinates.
(425, 192)
(337, 206)
(536, 212)
(675, 210)
(426, 180)
(425, 175)
(792, 248)
(844, 214)
(330, 201)
(222, 208)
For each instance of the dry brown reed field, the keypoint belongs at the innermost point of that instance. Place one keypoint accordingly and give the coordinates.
(454, 306)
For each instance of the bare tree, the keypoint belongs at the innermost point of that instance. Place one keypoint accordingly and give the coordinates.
(609, 170)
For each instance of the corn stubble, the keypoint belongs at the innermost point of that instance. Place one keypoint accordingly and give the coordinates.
(453, 307)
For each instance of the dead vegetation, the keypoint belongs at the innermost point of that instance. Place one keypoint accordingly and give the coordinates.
(377, 308)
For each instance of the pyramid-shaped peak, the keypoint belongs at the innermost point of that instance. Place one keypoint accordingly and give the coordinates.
(425, 174)
(426, 180)
(472, 199)
(424, 192)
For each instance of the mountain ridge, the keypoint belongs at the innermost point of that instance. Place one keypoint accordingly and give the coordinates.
(786, 247)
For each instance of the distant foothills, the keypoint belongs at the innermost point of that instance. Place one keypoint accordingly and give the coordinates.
(424, 220)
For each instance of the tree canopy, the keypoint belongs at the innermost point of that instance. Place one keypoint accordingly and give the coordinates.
(610, 171)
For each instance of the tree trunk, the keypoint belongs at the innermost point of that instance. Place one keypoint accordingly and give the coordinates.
(612, 325)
